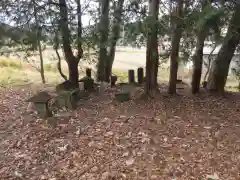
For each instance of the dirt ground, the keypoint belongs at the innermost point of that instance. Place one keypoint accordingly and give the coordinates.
(171, 137)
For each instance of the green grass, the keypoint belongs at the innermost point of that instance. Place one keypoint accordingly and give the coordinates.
(50, 68)
(11, 63)
(15, 73)
(15, 77)
(122, 76)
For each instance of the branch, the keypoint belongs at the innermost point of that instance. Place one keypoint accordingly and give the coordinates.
(209, 61)
(59, 66)
(55, 47)
(35, 67)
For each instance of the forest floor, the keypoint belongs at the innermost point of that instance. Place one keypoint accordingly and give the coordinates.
(171, 137)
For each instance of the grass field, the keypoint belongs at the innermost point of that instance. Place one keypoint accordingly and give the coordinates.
(15, 73)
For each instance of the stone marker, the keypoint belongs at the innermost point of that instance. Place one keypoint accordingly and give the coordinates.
(113, 80)
(204, 84)
(68, 99)
(140, 75)
(125, 92)
(131, 76)
(41, 102)
(89, 72)
(88, 83)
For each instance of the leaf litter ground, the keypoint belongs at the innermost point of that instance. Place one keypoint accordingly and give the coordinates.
(179, 137)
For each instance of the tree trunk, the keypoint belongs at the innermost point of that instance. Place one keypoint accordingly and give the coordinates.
(152, 49)
(114, 37)
(175, 49)
(41, 63)
(72, 61)
(209, 63)
(198, 59)
(38, 35)
(220, 67)
(73, 73)
(79, 31)
(103, 33)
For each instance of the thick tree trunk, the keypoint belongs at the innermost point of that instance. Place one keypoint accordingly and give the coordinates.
(198, 60)
(114, 38)
(219, 70)
(103, 33)
(72, 61)
(73, 73)
(152, 49)
(175, 49)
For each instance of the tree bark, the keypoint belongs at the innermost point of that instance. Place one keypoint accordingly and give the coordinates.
(114, 38)
(72, 61)
(198, 59)
(175, 49)
(73, 73)
(152, 49)
(103, 33)
(220, 67)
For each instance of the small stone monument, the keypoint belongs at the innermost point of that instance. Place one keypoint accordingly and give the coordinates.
(88, 83)
(131, 76)
(204, 84)
(113, 80)
(140, 75)
(68, 99)
(89, 72)
(41, 102)
(125, 92)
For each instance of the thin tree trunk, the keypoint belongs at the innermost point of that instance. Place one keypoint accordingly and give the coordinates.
(103, 33)
(198, 59)
(114, 38)
(79, 31)
(152, 49)
(220, 67)
(209, 63)
(38, 35)
(175, 49)
(41, 62)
